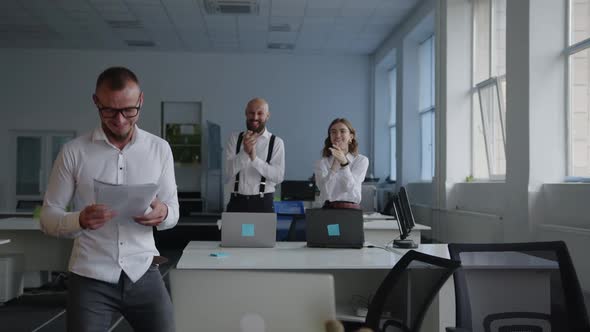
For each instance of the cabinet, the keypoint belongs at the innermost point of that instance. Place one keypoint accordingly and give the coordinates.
(196, 149)
(35, 152)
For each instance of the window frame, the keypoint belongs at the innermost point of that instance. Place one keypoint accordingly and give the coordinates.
(569, 51)
(429, 109)
(494, 83)
(492, 79)
(392, 81)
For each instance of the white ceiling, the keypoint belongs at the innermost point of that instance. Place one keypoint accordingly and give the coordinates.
(315, 26)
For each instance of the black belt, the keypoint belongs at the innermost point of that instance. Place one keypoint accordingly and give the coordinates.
(341, 205)
(257, 196)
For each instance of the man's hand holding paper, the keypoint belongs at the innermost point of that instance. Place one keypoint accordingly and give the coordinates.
(158, 213)
(95, 216)
(130, 202)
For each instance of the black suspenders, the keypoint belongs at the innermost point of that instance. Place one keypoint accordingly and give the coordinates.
(268, 156)
(271, 145)
(238, 145)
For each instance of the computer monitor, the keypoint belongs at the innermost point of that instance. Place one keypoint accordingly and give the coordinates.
(404, 231)
(406, 208)
(297, 191)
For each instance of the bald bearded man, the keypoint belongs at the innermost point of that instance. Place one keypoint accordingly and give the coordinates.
(254, 161)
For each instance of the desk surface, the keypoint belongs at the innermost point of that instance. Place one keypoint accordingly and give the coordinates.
(285, 256)
(390, 224)
(18, 223)
(433, 249)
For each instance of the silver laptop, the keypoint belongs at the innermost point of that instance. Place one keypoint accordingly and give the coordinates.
(245, 301)
(243, 229)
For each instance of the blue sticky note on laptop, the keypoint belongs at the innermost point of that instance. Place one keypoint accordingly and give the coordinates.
(247, 229)
(334, 230)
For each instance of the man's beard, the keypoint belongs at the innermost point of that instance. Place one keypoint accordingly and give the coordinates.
(259, 129)
(116, 137)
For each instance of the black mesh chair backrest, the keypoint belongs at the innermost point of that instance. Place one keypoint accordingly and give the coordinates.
(517, 287)
(407, 291)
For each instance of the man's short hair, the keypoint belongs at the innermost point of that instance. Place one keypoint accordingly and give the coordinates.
(116, 78)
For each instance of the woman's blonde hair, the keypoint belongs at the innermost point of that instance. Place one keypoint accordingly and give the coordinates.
(352, 146)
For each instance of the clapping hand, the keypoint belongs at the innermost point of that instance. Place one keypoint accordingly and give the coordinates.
(250, 144)
(338, 154)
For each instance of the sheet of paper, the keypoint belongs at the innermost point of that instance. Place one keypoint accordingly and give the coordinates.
(127, 200)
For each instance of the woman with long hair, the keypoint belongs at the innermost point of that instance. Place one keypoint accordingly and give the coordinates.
(341, 171)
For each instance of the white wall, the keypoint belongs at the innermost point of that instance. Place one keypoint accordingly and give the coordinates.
(52, 89)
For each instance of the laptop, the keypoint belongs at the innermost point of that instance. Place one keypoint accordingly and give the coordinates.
(334, 228)
(244, 229)
(244, 301)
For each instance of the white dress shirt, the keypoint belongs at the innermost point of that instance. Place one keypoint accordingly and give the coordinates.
(120, 244)
(345, 183)
(252, 170)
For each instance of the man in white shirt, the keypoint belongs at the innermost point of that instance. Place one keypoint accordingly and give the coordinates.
(114, 260)
(254, 161)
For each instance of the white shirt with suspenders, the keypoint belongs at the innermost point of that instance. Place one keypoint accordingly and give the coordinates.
(259, 176)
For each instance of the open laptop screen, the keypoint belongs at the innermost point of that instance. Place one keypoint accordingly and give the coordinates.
(244, 229)
(334, 228)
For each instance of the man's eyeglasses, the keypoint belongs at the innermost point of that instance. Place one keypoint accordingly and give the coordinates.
(127, 112)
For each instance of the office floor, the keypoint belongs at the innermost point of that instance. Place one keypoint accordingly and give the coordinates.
(43, 309)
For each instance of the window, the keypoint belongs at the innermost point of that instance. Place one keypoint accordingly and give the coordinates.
(426, 107)
(578, 60)
(489, 97)
(392, 123)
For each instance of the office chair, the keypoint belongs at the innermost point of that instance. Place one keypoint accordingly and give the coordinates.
(420, 289)
(505, 287)
(292, 211)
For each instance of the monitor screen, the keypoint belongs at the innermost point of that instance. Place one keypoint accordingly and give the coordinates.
(396, 210)
(297, 191)
(406, 208)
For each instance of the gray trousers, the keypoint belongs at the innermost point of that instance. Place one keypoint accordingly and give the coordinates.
(145, 304)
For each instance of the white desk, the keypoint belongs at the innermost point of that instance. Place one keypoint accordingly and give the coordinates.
(357, 272)
(42, 252)
(383, 231)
